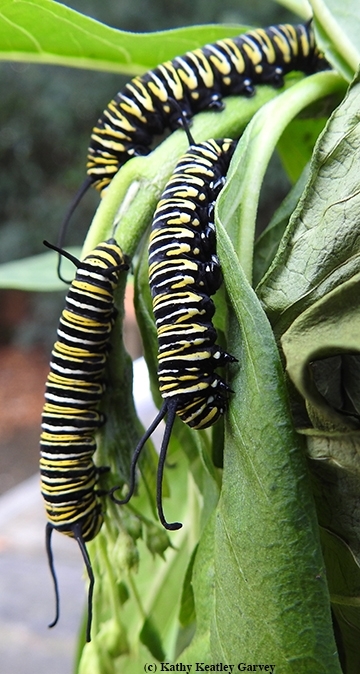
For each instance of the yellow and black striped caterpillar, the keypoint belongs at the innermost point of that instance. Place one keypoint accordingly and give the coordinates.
(73, 392)
(196, 81)
(178, 89)
(184, 271)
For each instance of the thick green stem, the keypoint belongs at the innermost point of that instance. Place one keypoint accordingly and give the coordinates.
(335, 34)
(131, 198)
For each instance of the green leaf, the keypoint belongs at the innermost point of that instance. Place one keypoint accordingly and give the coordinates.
(187, 613)
(37, 273)
(203, 579)
(149, 636)
(267, 551)
(44, 31)
(320, 247)
(197, 447)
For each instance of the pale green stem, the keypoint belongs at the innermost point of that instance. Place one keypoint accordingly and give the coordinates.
(103, 553)
(335, 34)
(137, 186)
(136, 595)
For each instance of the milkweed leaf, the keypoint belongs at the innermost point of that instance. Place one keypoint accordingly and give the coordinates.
(37, 273)
(44, 31)
(267, 550)
(321, 246)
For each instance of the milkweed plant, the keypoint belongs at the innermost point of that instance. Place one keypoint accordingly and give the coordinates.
(266, 566)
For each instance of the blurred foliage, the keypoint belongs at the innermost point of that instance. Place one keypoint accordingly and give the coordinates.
(148, 15)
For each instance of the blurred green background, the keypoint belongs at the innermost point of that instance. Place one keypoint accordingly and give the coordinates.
(46, 117)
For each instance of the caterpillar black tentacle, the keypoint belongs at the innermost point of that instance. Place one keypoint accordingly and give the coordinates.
(70, 416)
(184, 271)
(64, 225)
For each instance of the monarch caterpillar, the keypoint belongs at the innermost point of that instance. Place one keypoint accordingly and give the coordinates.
(183, 272)
(196, 81)
(70, 415)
